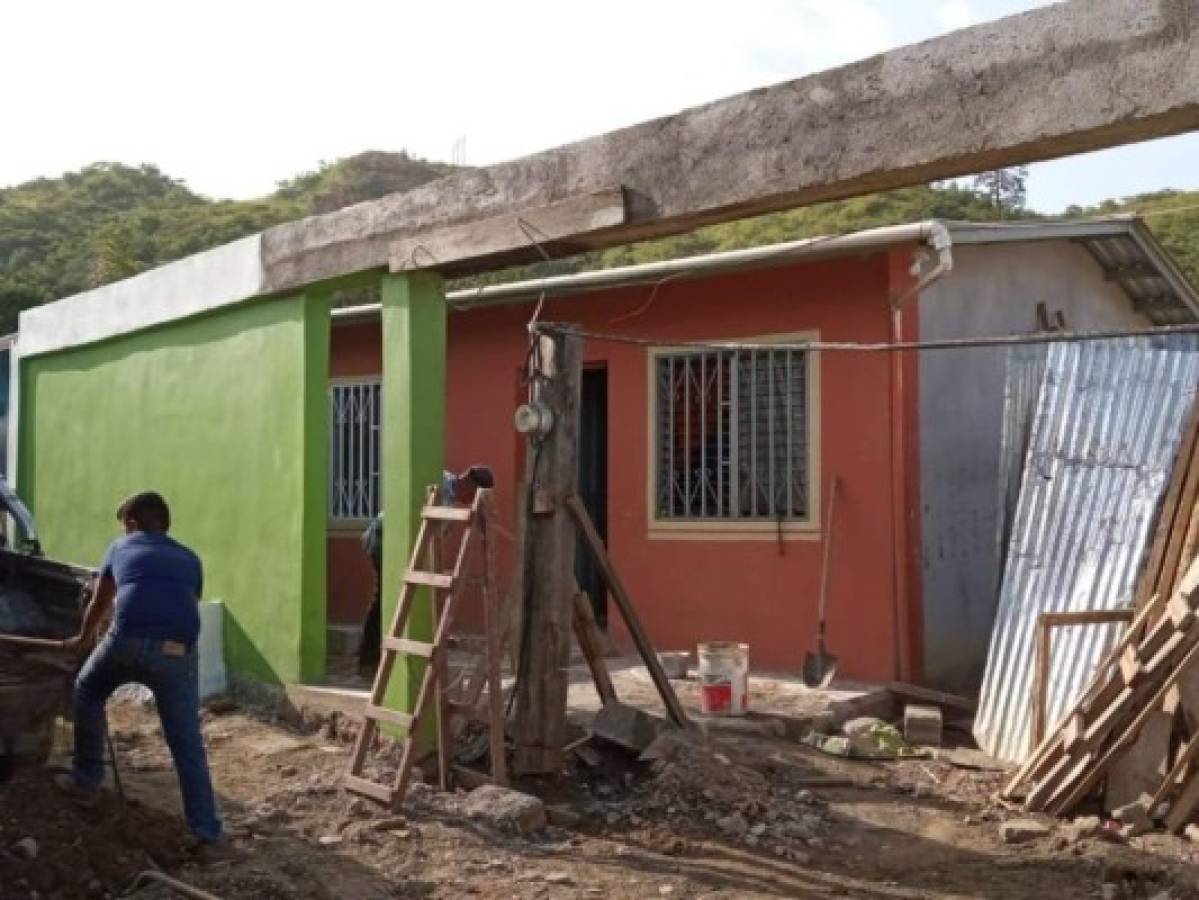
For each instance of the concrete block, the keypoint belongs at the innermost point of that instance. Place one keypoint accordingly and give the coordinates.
(505, 809)
(922, 725)
(1019, 831)
(627, 727)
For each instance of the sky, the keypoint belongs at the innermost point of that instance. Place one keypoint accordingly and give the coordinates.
(232, 97)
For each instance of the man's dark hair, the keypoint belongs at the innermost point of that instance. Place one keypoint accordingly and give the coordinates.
(148, 509)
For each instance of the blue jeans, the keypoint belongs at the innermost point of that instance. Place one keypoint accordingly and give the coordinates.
(174, 681)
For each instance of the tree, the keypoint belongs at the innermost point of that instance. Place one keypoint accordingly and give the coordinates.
(1007, 189)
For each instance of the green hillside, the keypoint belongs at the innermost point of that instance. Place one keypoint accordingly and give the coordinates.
(59, 236)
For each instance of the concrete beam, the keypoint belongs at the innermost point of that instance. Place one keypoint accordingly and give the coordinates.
(1068, 78)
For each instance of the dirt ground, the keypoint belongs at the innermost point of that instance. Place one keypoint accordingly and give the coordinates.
(727, 816)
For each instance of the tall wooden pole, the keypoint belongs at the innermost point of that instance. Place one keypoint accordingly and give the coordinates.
(548, 559)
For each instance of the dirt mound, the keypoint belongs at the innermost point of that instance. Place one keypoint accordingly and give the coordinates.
(51, 848)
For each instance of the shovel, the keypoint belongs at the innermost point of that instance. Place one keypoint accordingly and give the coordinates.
(820, 667)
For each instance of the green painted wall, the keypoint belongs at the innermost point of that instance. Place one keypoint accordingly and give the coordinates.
(414, 336)
(225, 414)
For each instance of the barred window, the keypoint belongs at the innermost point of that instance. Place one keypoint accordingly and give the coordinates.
(354, 410)
(731, 436)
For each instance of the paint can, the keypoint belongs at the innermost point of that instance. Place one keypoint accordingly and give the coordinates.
(723, 678)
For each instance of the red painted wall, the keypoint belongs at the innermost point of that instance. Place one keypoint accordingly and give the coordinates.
(356, 351)
(689, 590)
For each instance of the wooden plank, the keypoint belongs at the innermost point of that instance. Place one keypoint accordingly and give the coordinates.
(1088, 617)
(539, 724)
(1040, 679)
(624, 603)
(390, 716)
(1187, 755)
(368, 788)
(1186, 507)
(1182, 809)
(1118, 748)
(1102, 690)
(447, 513)
(555, 227)
(1150, 576)
(587, 635)
(409, 647)
(435, 580)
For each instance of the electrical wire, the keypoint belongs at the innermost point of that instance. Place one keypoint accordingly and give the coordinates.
(1038, 337)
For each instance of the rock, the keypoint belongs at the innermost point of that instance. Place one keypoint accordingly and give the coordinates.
(558, 878)
(922, 725)
(1135, 817)
(665, 890)
(1191, 832)
(330, 840)
(758, 830)
(625, 726)
(562, 817)
(288, 771)
(861, 726)
(1018, 831)
(26, 848)
(505, 809)
(665, 746)
(734, 824)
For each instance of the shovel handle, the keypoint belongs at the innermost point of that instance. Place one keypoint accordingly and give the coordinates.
(828, 552)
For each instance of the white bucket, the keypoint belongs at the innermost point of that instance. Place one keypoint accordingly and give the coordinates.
(723, 678)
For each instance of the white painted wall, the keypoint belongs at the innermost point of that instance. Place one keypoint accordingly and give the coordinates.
(994, 290)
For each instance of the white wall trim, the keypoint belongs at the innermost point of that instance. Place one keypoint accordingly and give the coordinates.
(187, 287)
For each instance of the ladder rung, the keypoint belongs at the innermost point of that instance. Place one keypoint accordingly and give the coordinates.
(447, 513)
(412, 648)
(390, 716)
(432, 579)
(368, 788)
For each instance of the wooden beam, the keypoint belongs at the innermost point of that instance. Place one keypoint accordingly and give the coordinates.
(587, 635)
(624, 603)
(539, 726)
(1060, 80)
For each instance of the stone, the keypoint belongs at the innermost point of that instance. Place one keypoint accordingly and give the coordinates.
(625, 726)
(1134, 817)
(666, 746)
(330, 840)
(922, 725)
(505, 809)
(26, 848)
(1085, 827)
(558, 878)
(1019, 831)
(562, 817)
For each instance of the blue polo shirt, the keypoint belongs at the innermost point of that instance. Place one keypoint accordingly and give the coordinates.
(159, 583)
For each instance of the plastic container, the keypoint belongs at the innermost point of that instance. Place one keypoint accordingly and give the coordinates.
(723, 678)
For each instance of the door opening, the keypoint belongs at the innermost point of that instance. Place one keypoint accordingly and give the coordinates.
(593, 483)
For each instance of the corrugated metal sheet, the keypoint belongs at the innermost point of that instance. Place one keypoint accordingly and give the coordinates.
(1126, 263)
(1022, 389)
(1107, 427)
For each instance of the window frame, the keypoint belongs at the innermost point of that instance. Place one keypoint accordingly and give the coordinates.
(336, 524)
(807, 528)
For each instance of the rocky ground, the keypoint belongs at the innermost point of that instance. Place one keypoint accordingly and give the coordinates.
(721, 816)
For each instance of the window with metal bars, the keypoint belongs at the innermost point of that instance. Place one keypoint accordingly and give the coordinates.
(731, 436)
(354, 412)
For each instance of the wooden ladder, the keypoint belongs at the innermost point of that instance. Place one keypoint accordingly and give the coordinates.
(437, 523)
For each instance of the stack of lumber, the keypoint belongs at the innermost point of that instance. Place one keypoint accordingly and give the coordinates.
(1135, 729)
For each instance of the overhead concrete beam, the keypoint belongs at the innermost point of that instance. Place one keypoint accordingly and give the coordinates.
(1065, 79)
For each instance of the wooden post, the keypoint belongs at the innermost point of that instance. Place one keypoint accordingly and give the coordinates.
(548, 559)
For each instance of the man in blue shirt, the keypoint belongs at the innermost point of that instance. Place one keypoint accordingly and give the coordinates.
(152, 584)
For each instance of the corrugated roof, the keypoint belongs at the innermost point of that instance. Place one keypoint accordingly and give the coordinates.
(1121, 245)
(1104, 436)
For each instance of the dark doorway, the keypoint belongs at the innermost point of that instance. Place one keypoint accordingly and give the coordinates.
(593, 482)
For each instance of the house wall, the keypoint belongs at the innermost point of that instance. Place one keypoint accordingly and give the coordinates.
(716, 586)
(225, 415)
(993, 290)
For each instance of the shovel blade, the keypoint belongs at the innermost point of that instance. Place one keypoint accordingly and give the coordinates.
(819, 669)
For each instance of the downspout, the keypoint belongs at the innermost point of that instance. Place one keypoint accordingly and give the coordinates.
(939, 240)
